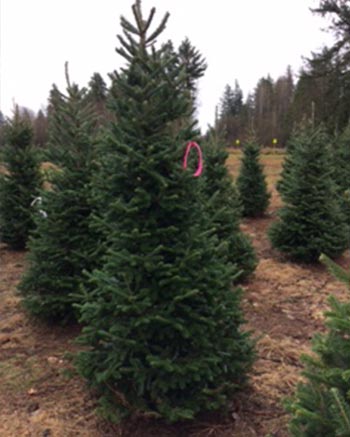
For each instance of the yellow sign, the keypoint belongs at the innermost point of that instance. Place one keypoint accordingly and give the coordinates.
(238, 142)
(274, 141)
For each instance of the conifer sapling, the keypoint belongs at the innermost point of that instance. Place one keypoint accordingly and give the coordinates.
(251, 183)
(321, 406)
(224, 209)
(63, 244)
(310, 221)
(20, 182)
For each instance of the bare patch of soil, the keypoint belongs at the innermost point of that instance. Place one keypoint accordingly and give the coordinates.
(283, 305)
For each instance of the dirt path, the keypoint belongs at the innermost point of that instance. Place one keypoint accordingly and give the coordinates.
(283, 305)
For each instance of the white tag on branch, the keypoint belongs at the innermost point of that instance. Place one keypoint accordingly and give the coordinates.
(38, 200)
(43, 213)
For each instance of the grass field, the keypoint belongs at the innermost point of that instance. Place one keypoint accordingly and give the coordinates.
(283, 305)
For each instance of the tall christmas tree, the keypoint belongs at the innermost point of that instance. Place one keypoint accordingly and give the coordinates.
(162, 322)
(224, 209)
(311, 221)
(20, 183)
(62, 246)
(251, 183)
(321, 406)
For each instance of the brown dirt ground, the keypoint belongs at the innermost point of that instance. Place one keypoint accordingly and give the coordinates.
(283, 305)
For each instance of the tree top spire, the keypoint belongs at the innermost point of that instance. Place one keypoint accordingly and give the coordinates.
(129, 45)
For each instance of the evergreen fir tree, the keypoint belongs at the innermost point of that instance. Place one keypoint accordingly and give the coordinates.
(2, 119)
(20, 183)
(193, 64)
(231, 102)
(61, 247)
(162, 322)
(97, 89)
(2, 128)
(98, 96)
(342, 173)
(310, 222)
(251, 183)
(224, 209)
(321, 406)
(288, 163)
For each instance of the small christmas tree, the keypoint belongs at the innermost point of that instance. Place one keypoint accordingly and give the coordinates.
(162, 323)
(224, 209)
(251, 183)
(321, 406)
(20, 183)
(310, 222)
(288, 163)
(342, 173)
(62, 245)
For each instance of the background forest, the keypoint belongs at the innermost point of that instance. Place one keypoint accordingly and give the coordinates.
(320, 90)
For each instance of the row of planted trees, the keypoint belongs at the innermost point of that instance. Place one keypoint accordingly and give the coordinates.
(135, 247)
(144, 254)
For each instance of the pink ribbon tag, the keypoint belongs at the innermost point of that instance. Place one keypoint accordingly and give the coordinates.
(189, 146)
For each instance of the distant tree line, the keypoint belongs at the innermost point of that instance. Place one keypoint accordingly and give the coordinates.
(266, 111)
(101, 96)
(37, 121)
(320, 92)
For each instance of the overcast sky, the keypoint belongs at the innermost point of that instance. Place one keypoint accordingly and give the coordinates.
(240, 39)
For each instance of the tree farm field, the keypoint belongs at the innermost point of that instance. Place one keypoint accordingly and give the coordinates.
(283, 305)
